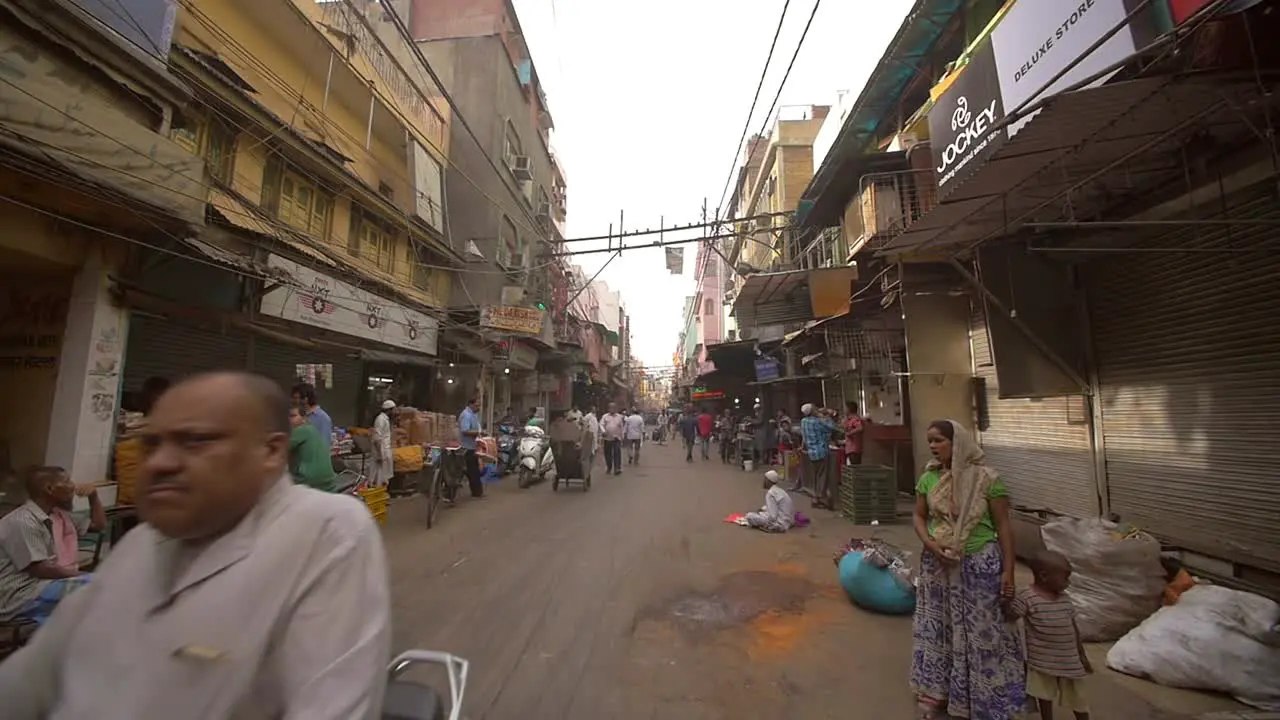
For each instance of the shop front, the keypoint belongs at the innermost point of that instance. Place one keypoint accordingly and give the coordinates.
(61, 339)
(362, 347)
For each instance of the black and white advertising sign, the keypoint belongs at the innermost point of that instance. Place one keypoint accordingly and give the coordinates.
(1037, 39)
(962, 123)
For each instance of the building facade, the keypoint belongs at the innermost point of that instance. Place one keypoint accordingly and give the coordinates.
(1052, 269)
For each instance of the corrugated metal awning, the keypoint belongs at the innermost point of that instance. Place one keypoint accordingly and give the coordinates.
(1091, 145)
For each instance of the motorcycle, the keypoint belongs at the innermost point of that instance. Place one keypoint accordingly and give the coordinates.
(413, 700)
(508, 449)
(535, 456)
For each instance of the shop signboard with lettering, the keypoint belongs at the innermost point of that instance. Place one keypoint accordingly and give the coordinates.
(512, 319)
(315, 299)
(963, 122)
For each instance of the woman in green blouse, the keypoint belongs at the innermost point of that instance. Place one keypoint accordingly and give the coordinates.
(966, 661)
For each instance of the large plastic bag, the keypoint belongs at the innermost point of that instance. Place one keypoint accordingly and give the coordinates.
(1214, 638)
(1117, 580)
(877, 589)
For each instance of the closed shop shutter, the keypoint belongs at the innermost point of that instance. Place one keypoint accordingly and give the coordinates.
(1188, 355)
(279, 362)
(165, 348)
(1041, 447)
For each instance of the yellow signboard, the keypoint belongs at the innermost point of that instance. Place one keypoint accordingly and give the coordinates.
(512, 319)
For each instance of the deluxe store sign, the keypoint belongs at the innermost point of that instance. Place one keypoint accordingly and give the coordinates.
(1034, 41)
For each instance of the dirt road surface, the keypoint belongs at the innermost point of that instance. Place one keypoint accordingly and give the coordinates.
(635, 601)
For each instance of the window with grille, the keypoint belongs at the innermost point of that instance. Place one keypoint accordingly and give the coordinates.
(303, 206)
(209, 139)
(508, 251)
(371, 239)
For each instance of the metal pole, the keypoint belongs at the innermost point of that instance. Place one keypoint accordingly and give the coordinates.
(328, 79)
(1056, 359)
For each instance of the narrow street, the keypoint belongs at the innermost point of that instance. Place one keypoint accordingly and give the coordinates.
(635, 600)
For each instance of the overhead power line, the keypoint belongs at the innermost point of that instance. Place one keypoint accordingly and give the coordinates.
(746, 125)
(799, 44)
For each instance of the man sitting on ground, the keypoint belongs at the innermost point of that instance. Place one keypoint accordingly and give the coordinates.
(778, 513)
(32, 581)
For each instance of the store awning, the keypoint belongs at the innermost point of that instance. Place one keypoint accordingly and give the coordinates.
(395, 358)
(790, 378)
(1093, 146)
(810, 327)
(782, 297)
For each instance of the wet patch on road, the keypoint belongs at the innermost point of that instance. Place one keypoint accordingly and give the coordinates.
(767, 612)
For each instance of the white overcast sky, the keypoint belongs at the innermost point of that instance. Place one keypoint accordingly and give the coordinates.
(648, 100)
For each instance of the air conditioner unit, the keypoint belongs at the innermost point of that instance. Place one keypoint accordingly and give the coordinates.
(521, 167)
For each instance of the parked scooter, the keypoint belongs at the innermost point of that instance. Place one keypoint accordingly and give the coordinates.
(535, 456)
(508, 449)
(413, 700)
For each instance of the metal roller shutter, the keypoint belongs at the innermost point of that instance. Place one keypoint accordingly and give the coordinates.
(158, 347)
(1188, 355)
(1041, 447)
(279, 362)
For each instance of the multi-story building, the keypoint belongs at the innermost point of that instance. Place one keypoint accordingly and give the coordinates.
(505, 190)
(270, 176)
(1023, 234)
(775, 186)
(90, 178)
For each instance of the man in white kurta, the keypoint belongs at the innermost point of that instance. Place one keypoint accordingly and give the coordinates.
(778, 513)
(242, 596)
(383, 462)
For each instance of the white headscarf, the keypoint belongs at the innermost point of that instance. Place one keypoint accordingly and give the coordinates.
(959, 500)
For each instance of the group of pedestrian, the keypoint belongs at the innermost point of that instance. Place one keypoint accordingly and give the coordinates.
(618, 429)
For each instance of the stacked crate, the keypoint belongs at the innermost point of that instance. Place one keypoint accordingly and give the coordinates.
(376, 499)
(868, 493)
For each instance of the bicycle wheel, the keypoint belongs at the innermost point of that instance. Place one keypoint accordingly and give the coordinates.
(434, 496)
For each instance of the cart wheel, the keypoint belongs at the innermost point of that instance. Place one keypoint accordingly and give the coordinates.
(555, 485)
(434, 492)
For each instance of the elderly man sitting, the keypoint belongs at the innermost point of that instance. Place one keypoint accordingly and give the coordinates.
(33, 577)
(778, 513)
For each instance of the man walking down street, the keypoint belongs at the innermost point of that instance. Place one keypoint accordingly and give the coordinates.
(706, 426)
(469, 430)
(634, 435)
(612, 426)
(688, 424)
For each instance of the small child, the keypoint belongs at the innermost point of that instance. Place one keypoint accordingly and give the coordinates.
(1056, 663)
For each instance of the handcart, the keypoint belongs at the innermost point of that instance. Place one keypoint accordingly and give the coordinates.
(573, 464)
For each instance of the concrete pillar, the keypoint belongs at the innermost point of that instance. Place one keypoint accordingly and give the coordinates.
(86, 398)
(939, 363)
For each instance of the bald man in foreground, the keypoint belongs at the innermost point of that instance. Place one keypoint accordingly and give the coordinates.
(243, 596)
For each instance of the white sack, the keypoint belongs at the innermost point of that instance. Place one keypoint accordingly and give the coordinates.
(1115, 583)
(1214, 639)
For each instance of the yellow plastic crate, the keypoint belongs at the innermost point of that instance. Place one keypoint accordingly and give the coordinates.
(380, 517)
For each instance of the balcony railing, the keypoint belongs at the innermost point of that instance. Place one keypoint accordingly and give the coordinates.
(380, 44)
(888, 204)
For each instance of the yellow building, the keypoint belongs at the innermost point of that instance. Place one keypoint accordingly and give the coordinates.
(87, 176)
(784, 168)
(327, 143)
